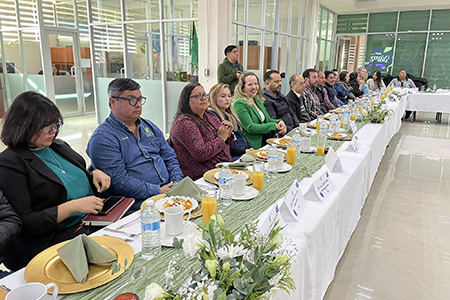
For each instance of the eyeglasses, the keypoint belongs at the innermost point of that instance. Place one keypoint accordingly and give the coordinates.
(200, 96)
(49, 128)
(132, 100)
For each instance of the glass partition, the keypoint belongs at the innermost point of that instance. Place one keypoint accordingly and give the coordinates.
(255, 12)
(383, 22)
(414, 20)
(284, 16)
(142, 10)
(437, 60)
(409, 53)
(108, 42)
(253, 55)
(440, 19)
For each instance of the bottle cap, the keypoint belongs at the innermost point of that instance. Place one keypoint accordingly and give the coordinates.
(150, 203)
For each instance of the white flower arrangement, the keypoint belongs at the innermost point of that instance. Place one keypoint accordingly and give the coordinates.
(378, 114)
(251, 266)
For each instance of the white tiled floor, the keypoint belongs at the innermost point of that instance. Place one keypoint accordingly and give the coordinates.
(401, 247)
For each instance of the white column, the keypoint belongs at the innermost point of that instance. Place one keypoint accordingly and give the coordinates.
(214, 34)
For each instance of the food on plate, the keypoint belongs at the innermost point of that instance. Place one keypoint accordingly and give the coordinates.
(284, 141)
(263, 154)
(176, 201)
(337, 135)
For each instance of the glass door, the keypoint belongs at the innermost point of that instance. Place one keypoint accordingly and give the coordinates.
(70, 73)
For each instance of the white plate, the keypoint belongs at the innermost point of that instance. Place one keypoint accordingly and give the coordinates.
(167, 240)
(343, 135)
(250, 193)
(286, 168)
(239, 172)
(311, 150)
(277, 141)
(260, 156)
(160, 203)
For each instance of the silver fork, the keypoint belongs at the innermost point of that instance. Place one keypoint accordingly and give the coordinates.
(131, 235)
(127, 240)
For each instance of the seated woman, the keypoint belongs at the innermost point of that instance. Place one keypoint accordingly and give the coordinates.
(257, 125)
(357, 84)
(376, 83)
(199, 138)
(344, 79)
(44, 180)
(220, 103)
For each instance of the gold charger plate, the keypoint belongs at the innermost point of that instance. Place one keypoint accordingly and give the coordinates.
(194, 214)
(210, 175)
(253, 153)
(47, 267)
(348, 137)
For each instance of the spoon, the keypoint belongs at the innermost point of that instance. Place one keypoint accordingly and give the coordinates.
(133, 278)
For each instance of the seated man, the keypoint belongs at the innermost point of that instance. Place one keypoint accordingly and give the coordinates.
(321, 92)
(275, 102)
(9, 227)
(295, 98)
(130, 149)
(312, 101)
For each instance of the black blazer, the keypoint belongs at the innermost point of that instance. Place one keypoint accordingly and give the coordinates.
(35, 191)
(298, 107)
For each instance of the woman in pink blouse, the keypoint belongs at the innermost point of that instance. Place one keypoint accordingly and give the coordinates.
(199, 138)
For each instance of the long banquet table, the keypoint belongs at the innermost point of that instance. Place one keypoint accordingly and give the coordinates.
(321, 234)
(429, 102)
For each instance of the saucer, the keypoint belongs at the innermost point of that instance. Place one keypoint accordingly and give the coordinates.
(285, 168)
(167, 240)
(250, 193)
(311, 150)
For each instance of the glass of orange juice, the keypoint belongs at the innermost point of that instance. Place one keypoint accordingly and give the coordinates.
(321, 142)
(291, 152)
(319, 122)
(209, 205)
(258, 174)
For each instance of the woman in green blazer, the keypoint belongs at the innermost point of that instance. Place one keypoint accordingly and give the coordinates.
(249, 108)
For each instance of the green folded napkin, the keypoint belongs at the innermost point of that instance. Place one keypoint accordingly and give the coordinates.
(80, 252)
(186, 187)
(247, 158)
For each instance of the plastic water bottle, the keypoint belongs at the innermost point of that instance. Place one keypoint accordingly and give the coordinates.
(150, 223)
(434, 87)
(297, 141)
(272, 163)
(225, 181)
(334, 125)
(346, 117)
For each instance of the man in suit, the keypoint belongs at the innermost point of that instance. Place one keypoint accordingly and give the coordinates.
(295, 98)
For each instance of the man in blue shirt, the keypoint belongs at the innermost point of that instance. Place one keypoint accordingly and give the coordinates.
(130, 149)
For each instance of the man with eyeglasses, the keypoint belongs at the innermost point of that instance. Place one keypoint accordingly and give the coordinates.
(275, 102)
(131, 149)
(295, 98)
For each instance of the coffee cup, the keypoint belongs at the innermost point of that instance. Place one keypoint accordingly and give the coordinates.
(173, 219)
(33, 291)
(306, 144)
(239, 184)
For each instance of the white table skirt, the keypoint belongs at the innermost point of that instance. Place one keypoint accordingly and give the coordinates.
(325, 228)
(428, 102)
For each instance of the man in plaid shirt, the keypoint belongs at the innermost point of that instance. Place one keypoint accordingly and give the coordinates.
(312, 101)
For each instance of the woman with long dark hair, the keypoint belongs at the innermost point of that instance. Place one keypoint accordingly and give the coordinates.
(199, 138)
(376, 83)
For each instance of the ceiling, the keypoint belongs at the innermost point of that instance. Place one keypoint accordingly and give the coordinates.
(362, 6)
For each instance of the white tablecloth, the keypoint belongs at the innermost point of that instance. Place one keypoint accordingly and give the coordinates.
(325, 228)
(428, 102)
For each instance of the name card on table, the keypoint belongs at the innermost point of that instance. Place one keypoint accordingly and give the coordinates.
(291, 206)
(269, 221)
(333, 162)
(321, 188)
(354, 146)
(353, 127)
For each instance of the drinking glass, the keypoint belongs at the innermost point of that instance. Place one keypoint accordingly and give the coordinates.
(258, 174)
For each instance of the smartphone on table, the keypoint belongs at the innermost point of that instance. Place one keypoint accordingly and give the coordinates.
(110, 203)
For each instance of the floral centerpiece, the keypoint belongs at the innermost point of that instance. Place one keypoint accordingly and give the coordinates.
(251, 266)
(378, 114)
